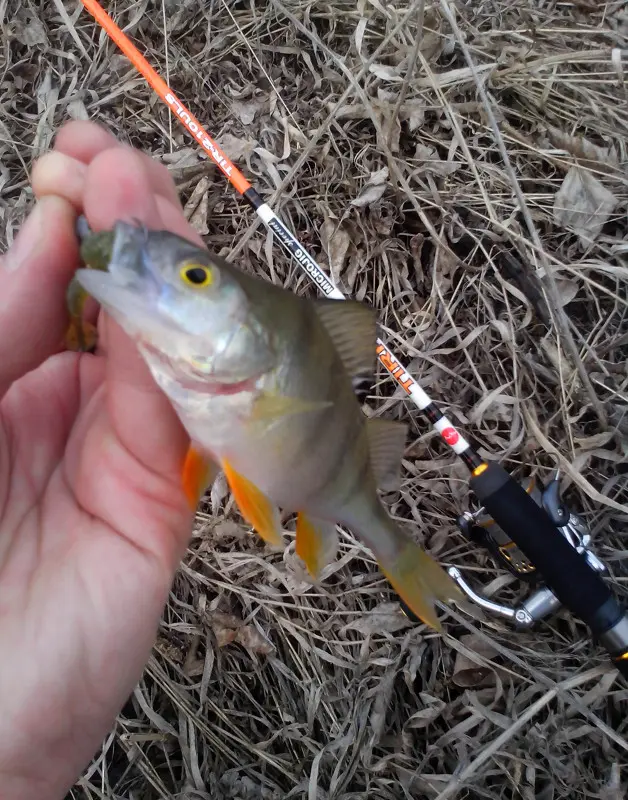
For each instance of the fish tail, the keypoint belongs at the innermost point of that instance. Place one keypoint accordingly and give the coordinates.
(415, 576)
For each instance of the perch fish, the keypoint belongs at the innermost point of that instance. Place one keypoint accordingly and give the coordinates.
(262, 381)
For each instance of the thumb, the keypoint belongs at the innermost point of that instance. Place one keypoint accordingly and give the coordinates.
(34, 276)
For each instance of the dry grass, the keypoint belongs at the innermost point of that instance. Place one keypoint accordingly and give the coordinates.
(262, 685)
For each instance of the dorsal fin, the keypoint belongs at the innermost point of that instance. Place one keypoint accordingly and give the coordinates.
(362, 385)
(387, 440)
(353, 329)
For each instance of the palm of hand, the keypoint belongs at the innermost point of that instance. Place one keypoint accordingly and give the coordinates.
(93, 520)
(78, 595)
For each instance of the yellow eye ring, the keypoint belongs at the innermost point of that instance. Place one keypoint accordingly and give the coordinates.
(198, 276)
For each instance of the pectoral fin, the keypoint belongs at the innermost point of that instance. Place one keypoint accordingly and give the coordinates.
(199, 471)
(254, 506)
(316, 542)
(271, 407)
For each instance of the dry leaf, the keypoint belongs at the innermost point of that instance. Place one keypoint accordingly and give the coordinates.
(370, 194)
(582, 148)
(246, 110)
(567, 289)
(184, 157)
(583, 205)
(469, 672)
(385, 73)
(228, 629)
(336, 241)
(384, 618)
(195, 210)
(359, 35)
(453, 76)
(32, 33)
(77, 110)
(236, 147)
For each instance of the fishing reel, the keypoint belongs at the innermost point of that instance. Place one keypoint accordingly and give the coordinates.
(479, 527)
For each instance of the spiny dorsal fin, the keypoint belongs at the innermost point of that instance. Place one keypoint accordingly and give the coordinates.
(353, 329)
(387, 440)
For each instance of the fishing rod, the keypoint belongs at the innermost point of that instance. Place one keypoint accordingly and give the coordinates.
(528, 529)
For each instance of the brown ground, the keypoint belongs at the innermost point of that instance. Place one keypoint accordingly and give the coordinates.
(362, 123)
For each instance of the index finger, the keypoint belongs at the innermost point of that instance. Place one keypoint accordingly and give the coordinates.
(63, 170)
(118, 188)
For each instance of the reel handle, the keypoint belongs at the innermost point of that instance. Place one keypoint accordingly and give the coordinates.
(574, 582)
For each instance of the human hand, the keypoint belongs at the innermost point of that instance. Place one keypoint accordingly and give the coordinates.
(93, 518)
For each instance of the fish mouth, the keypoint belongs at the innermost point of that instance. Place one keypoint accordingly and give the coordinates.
(130, 288)
(132, 292)
(193, 380)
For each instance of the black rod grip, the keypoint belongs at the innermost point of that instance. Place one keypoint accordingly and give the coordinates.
(577, 585)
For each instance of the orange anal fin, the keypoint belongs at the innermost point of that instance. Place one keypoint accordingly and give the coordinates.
(316, 542)
(198, 472)
(254, 506)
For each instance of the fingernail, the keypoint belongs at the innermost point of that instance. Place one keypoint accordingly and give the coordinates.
(26, 242)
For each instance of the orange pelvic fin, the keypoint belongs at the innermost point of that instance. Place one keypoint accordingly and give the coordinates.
(254, 506)
(199, 471)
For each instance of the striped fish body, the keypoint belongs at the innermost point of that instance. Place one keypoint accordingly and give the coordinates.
(317, 459)
(263, 382)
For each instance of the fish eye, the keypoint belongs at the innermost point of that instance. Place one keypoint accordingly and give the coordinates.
(197, 275)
